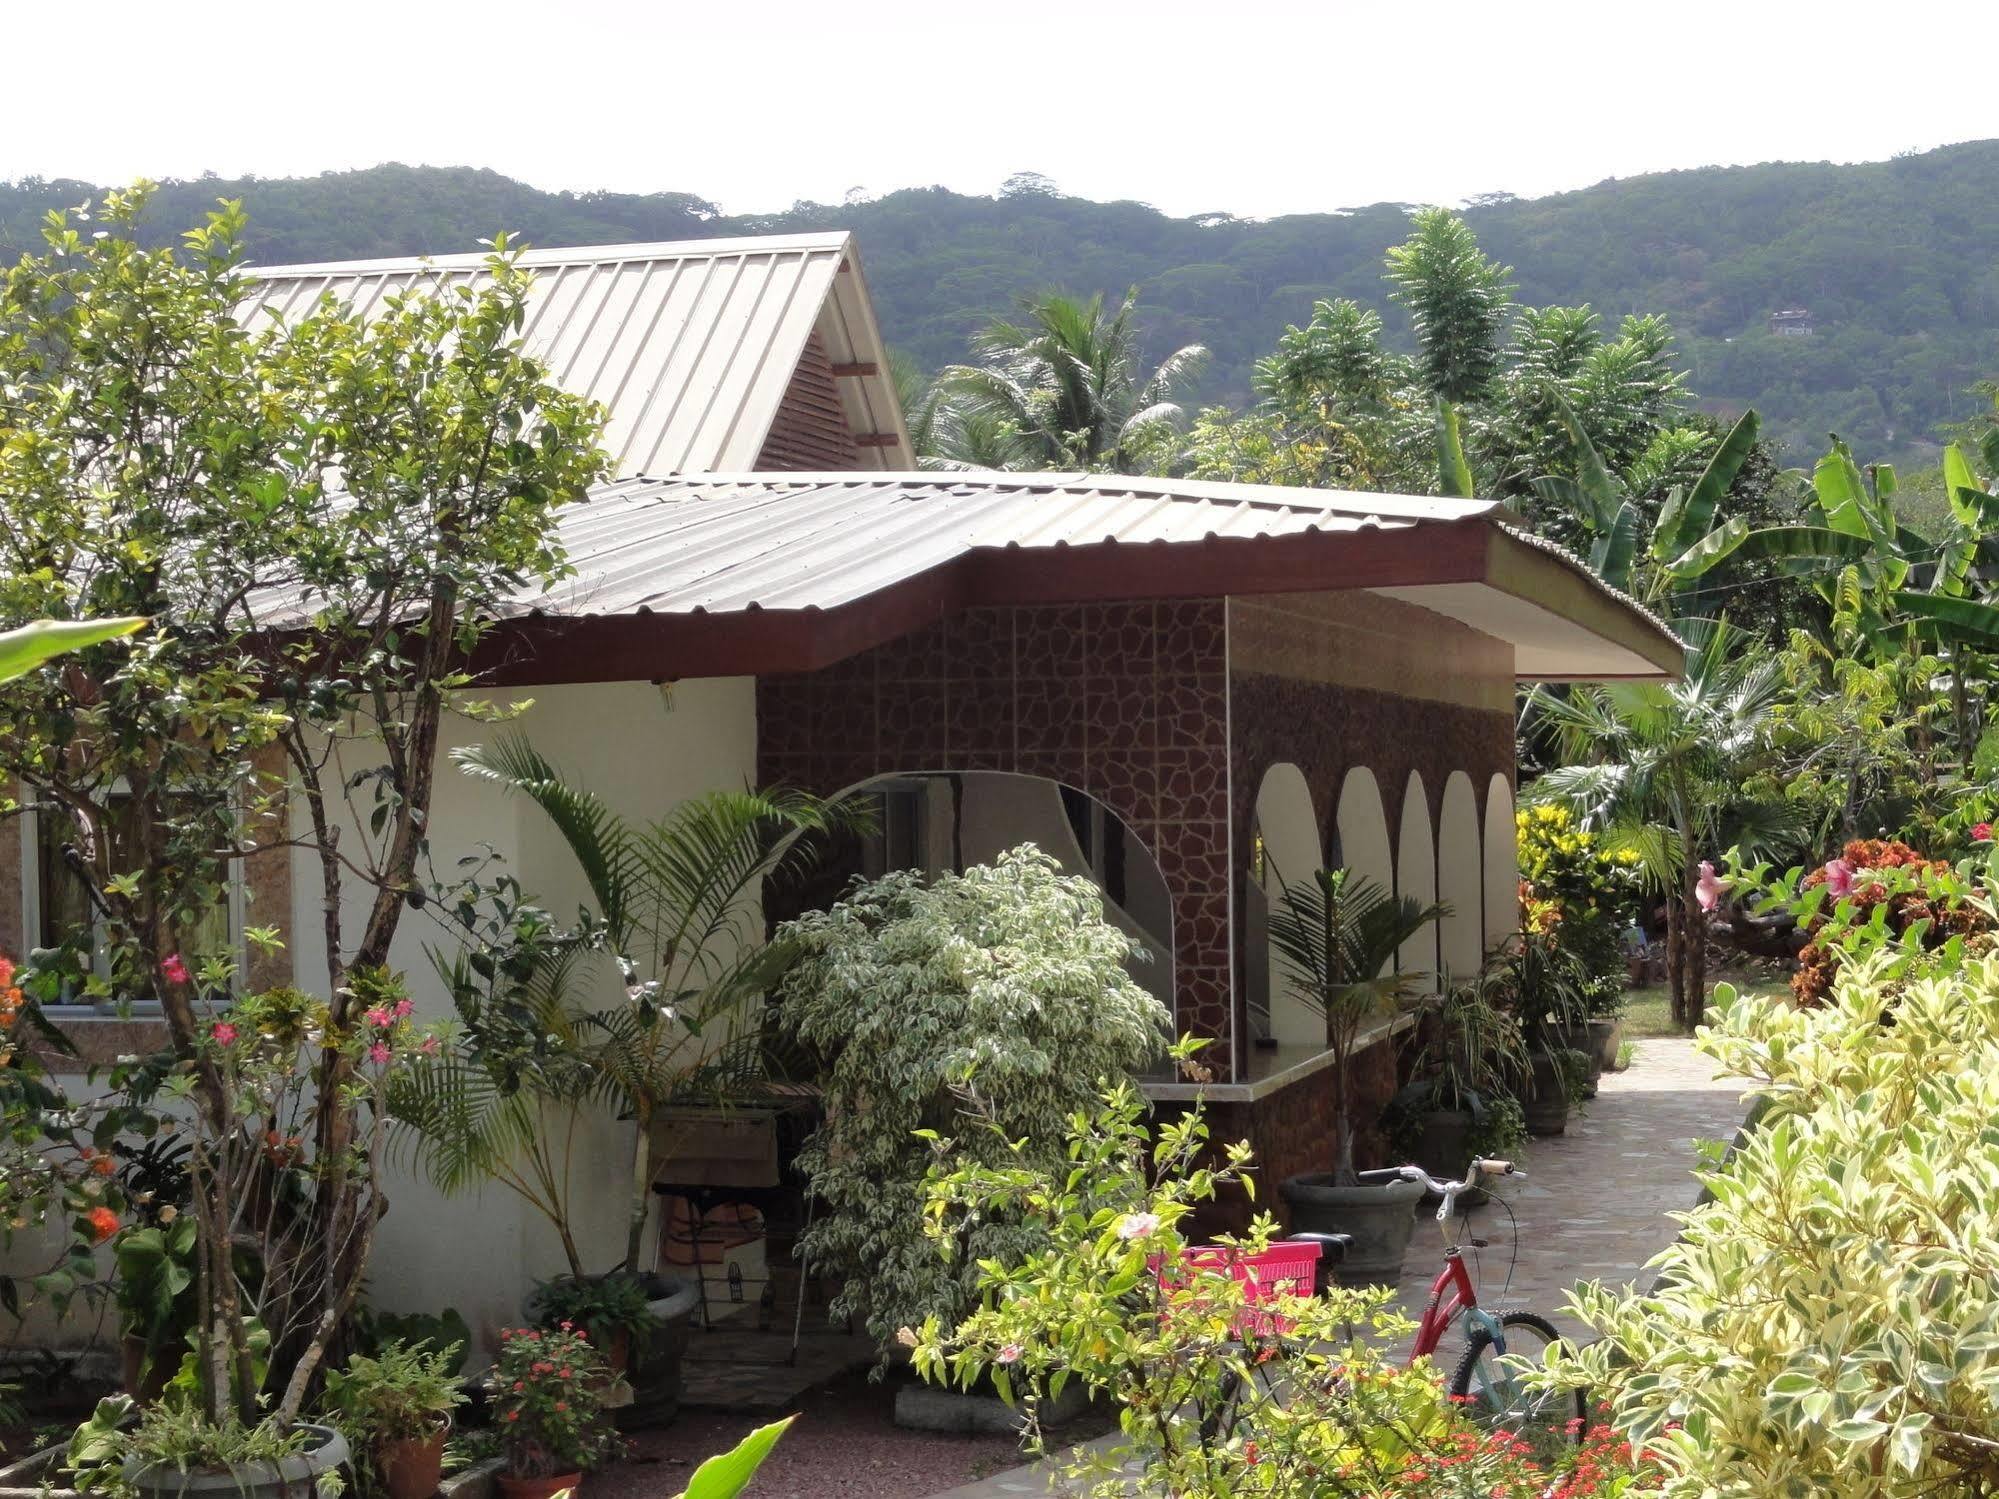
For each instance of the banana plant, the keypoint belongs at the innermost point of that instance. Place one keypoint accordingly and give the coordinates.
(1899, 585)
(1685, 541)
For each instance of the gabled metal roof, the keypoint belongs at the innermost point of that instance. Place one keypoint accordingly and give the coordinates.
(689, 345)
(721, 544)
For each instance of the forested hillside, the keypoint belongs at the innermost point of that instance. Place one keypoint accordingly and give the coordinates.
(1893, 261)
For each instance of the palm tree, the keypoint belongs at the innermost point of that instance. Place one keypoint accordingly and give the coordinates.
(506, 1107)
(1063, 384)
(1337, 936)
(1658, 764)
(677, 911)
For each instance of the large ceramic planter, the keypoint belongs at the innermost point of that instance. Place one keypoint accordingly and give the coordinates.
(413, 1467)
(293, 1477)
(1607, 1034)
(1381, 1215)
(656, 1366)
(537, 1488)
(1581, 1037)
(1546, 1105)
(1443, 1148)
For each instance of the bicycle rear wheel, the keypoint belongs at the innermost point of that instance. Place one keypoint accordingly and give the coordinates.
(1496, 1396)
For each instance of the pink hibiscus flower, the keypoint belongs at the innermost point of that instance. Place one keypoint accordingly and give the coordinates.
(1839, 878)
(1709, 887)
(174, 968)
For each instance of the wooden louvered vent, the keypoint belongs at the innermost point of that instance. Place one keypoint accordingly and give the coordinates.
(810, 432)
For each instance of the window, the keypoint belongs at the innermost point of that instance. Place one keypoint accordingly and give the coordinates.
(58, 901)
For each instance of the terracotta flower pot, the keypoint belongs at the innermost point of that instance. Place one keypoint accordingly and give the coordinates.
(538, 1488)
(412, 1467)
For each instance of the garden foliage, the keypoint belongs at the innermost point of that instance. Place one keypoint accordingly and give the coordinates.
(1002, 989)
(1828, 1325)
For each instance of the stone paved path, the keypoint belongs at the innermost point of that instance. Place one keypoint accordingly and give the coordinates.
(1593, 1206)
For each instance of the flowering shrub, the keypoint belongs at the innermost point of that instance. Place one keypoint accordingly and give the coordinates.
(1829, 1323)
(1874, 897)
(1577, 889)
(1221, 1388)
(543, 1396)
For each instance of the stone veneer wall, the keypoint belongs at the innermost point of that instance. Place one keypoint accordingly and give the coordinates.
(1333, 681)
(1125, 701)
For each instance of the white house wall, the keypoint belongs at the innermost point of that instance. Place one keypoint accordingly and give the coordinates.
(643, 751)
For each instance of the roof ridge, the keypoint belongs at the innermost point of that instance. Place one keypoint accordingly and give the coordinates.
(665, 249)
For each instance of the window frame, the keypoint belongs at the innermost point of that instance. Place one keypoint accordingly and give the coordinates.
(30, 818)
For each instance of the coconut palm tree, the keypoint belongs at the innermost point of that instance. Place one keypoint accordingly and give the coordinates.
(1657, 764)
(1064, 385)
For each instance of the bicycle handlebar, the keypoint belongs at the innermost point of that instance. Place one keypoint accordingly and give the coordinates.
(1451, 1190)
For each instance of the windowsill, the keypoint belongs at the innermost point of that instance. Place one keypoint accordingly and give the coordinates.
(100, 1039)
(1273, 1069)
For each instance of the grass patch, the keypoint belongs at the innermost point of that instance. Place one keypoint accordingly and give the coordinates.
(1648, 1011)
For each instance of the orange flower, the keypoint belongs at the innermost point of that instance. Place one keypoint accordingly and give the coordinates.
(103, 1222)
(104, 1165)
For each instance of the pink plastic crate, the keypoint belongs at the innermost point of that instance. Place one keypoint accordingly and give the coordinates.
(1284, 1269)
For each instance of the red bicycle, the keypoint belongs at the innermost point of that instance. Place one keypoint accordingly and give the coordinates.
(1498, 1343)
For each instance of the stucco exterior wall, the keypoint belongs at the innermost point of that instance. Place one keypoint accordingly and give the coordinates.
(643, 750)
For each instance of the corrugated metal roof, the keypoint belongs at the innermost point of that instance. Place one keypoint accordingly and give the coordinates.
(817, 541)
(689, 345)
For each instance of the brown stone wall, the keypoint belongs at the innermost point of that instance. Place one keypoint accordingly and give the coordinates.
(1125, 701)
(1329, 682)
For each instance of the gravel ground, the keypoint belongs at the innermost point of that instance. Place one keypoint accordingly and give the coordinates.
(843, 1442)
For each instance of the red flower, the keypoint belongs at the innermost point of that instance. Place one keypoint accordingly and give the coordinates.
(174, 968)
(1982, 833)
(103, 1223)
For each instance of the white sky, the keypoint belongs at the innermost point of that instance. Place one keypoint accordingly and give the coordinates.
(1259, 107)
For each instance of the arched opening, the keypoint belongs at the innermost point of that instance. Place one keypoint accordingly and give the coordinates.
(1416, 878)
(1502, 864)
(1362, 830)
(1460, 880)
(939, 821)
(1284, 847)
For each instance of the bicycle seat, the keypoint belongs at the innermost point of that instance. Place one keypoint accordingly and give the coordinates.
(1327, 1242)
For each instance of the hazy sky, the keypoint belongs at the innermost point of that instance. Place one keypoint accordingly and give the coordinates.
(1256, 106)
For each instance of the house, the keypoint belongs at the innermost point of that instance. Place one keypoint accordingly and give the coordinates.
(1791, 322)
(1188, 690)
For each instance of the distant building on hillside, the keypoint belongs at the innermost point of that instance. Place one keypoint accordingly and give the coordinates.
(1792, 322)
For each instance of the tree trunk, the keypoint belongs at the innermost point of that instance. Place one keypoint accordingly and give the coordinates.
(1675, 965)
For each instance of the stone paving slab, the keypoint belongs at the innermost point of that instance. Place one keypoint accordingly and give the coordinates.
(1593, 1205)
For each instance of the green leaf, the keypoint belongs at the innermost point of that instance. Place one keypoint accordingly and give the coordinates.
(1453, 472)
(1711, 550)
(1611, 557)
(1682, 526)
(728, 1474)
(1810, 543)
(22, 650)
(1966, 618)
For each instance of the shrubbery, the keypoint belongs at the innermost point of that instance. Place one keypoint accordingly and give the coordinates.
(1002, 989)
(1829, 1324)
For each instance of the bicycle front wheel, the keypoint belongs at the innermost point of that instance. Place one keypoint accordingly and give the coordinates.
(1489, 1384)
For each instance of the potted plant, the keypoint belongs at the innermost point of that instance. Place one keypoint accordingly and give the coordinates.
(1458, 1103)
(1337, 937)
(544, 1394)
(174, 1448)
(1545, 987)
(398, 1403)
(615, 1310)
(154, 1290)
(1606, 1022)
